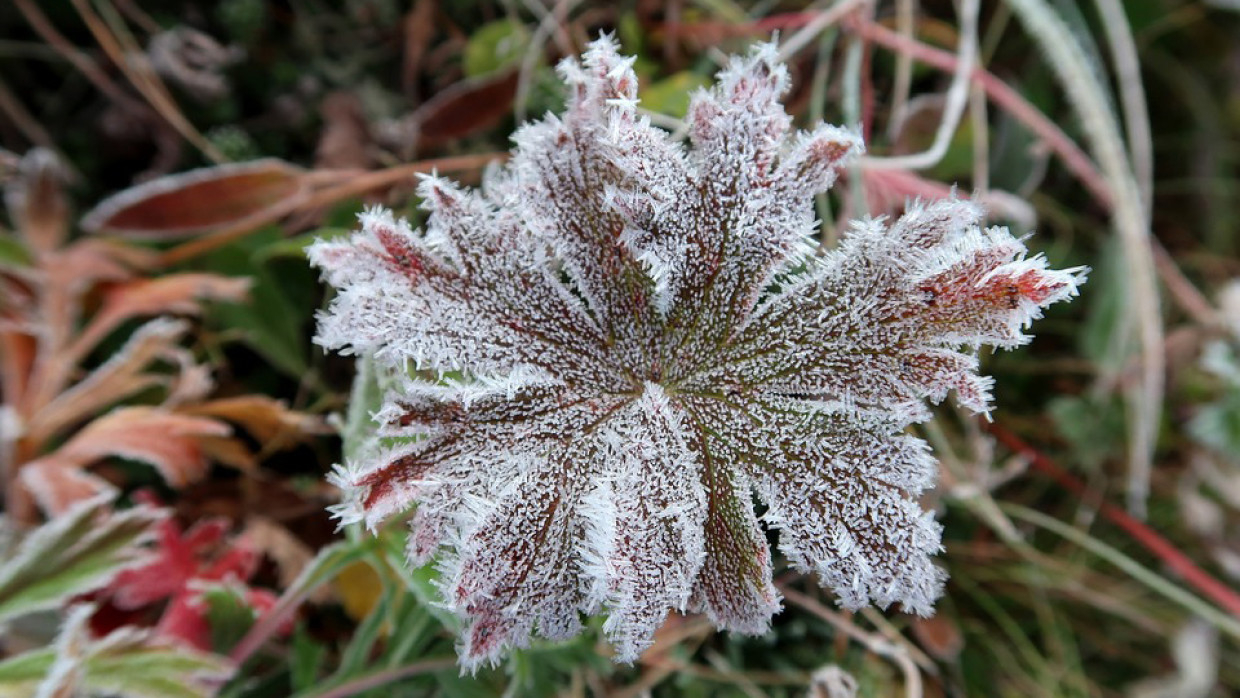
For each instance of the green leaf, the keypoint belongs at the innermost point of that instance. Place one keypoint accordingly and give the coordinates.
(274, 319)
(420, 582)
(1094, 426)
(1106, 340)
(20, 675)
(360, 647)
(153, 671)
(229, 615)
(322, 569)
(305, 660)
(1135, 570)
(671, 94)
(13, 253)
(370, 384)
(127, 663)
(497, 45)
(414, 630)
(76, 552)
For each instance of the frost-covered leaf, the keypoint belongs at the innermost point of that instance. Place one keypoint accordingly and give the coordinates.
(79, 551)
(641, 336)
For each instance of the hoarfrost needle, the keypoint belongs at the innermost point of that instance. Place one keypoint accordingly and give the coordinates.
(633, 379)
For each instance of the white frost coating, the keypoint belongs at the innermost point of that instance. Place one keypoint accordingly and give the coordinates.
(627, 384)
(645, 544)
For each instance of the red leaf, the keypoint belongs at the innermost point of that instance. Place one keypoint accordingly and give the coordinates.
(199, 201)
(467, 107)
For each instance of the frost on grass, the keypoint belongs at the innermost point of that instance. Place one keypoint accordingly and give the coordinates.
(631, 381)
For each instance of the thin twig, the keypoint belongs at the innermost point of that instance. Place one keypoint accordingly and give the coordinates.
(906, 16)
(548, 25)
(998, 92)
(30, 127)
(85, 65)
(957, 98)
(1144, 400)
(1182, 291)
(132, 62)
(820, 21)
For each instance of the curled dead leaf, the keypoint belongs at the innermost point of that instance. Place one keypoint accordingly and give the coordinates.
(200, 200)
(36, 201)
(269, 421)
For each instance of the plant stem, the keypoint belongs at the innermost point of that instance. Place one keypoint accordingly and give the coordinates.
(382, 678)
(1177, 561)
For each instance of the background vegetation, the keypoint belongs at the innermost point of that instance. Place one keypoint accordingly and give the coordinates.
(162, 397)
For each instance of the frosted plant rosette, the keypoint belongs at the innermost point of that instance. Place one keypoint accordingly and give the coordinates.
(649, 338)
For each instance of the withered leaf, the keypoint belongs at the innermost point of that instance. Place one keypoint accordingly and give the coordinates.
(169, 442)
(467, 107)
(199, 201)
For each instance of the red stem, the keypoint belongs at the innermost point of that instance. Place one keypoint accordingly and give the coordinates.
(1180, 563)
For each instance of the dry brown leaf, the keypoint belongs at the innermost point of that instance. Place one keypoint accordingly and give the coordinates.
(117, 378)
(73, 269)
(199, 201)
(286, 550)
(268, 420)
(175, 293)
(345, 140)
(171, 443)
(36, 201)
(17, 352)
(467, 107)
(419, 27)
(230, 452)
(939, 636)
(66, 275)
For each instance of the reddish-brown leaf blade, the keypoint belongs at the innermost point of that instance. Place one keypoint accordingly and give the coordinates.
(467, 107)
(199, 201)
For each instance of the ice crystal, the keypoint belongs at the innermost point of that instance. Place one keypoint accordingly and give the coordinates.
(648, 340)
